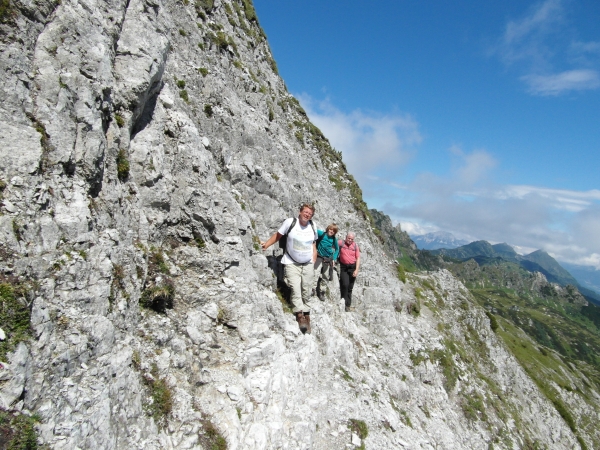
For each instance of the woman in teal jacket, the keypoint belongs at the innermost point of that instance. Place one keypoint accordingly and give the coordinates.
(327, 253)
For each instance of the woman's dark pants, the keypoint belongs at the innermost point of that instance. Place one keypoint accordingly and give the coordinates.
(347, 282)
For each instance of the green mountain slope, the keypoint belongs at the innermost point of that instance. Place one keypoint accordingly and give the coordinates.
(535, 307)
(549, 267)
(539, 261)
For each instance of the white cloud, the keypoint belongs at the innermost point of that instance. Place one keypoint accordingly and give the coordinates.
(369, 141)
(474, 166)
(541, 46)
(540, 18)
(561, 199)
(415, 229)
(468, 201)
(561, 222)
(569, 80)
(524, 40)
(584, 48)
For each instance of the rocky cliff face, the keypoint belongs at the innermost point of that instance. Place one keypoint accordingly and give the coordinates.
(147, 146)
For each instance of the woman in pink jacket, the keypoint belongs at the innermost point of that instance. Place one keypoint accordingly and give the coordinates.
(349, 265)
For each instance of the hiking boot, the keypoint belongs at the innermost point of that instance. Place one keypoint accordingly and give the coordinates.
(350, 309)
(301, 318)
(321, 296)
(307, 317)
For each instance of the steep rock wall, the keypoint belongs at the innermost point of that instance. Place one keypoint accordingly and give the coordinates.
(149, 145)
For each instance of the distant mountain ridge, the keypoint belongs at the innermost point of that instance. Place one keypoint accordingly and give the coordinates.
(437, 240)
(538, 261)
(588, 276)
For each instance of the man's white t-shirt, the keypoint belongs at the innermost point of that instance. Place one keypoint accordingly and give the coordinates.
(299, 242)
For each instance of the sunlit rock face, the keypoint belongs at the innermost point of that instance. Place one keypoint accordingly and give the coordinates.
(147, 148)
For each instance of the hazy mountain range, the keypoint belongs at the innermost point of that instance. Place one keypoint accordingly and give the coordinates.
(588, 276)
(436, 240)
(587, 279)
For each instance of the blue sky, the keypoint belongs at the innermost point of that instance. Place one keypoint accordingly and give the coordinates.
(478, 118)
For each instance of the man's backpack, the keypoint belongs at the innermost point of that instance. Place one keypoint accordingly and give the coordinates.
(283, 239)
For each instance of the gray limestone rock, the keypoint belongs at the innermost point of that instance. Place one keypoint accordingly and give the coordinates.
(148, 147)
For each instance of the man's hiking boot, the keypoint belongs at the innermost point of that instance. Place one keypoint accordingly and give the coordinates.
(321, 296)
(307, 317)
(350, 309)
(302, 322)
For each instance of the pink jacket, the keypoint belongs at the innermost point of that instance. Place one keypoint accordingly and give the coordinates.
(348, 253)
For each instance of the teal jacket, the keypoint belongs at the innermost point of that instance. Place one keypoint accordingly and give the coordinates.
(327, 246)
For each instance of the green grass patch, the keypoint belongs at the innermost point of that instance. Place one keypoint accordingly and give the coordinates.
(7, 11)
(446, 362)
(493, 321)
(122, 165)
(401, 272)
(359, 427)
(14, 316)
(204, 6)
(158, 262)
(120, 120)
(418, 357)
(210, 437)
(249, 11)
(17, 431)
(473, 406)
(345, 375)
(542, 369)
(162, 397)
(158, 297)
(407, 263)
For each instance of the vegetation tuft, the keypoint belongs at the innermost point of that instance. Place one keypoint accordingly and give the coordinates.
(17, 431)
(493, 321)
(473, 407)
(222, 41)
(162, 396)
(14, 315)
(120, 121)
(359, 427)
(7, 11)
(401, 273)
(446, 362)
(204, 6)
(249, 11)
(122, 165)
(210, 437)
(345, 375)
(159, 291)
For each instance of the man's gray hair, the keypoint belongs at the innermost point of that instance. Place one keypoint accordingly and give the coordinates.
(350, 234)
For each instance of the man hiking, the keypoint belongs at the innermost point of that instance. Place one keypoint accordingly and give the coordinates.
(327, 253)
(299, 255)
(349, 265)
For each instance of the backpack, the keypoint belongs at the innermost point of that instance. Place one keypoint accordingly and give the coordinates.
(283, 239)
(342, 244)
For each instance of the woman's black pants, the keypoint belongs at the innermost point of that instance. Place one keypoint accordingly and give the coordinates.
(347, 282)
